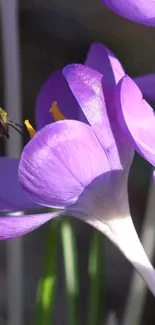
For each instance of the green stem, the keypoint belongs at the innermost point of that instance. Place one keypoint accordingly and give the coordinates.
(47, 284)
(71, 269)
(95, 303)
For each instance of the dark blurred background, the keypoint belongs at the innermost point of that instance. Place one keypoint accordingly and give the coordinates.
(54, 33)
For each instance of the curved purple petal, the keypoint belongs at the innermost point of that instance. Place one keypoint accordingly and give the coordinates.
(62, 159)
(104, 61)
(87, 85)
(15, 226)
(55, 89)
(140, 11)
(146, 84)
(12, 197)
(136, 118)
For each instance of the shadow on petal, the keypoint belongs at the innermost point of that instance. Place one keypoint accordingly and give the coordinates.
(12, 196)
(15, 226)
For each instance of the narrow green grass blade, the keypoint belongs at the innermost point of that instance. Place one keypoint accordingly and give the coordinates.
(95, 302)
(71, 270)
(46, 291)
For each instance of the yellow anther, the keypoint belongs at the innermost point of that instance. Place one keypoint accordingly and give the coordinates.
(30, 129)
(57, 115)
(3, 115)
(3, 112)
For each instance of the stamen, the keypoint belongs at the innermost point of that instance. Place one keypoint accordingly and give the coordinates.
(57, 115)
(30, 129)
(4, 112)
(4, 115)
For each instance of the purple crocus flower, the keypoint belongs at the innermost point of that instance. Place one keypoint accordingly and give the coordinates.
(140, 11)
(103, 60)
(80, 165)
(82, 168)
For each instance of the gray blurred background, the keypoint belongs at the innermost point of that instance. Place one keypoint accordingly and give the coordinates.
(54, 33)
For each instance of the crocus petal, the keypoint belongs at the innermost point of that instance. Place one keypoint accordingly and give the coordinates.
(140, 11)
(62, 159)
(55, 89)
(111, 216)
(15, 226)
(136, 118)
(104, 61)
(87, 86)
(12, 197)
(146, 84)
(123, 234)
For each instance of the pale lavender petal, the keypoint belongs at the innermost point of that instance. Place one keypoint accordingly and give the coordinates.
(104, 61)
(146, 84)
(136, 118)
(12, 196)
(87, 86)
(122, 233)
(15, 226)
(140, 11)
(54, 89)
(60, 161)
